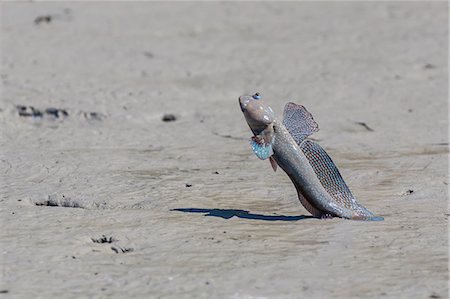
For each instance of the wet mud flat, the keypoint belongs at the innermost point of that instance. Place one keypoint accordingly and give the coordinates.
(127, 171)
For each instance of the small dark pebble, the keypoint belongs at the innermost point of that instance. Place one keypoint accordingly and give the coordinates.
(44, 18)
(409, 191)
(216, 172)
(429, 66)
(169, 117)
(207, 282)
(149, 54)
(434, 295)
(188, 185)
(73, 257)
(4, 291)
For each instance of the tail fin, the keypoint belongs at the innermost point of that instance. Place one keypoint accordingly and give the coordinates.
(367, 218)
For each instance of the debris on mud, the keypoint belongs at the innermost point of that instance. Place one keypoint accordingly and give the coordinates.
(364, 125)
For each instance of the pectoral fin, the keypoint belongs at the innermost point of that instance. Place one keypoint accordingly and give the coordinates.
(299, 122)
(273, 163)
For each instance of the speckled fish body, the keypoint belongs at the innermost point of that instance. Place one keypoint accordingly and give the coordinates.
(320, 187)
(312, 194)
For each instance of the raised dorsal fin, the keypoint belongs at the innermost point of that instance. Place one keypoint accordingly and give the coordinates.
(299, 122)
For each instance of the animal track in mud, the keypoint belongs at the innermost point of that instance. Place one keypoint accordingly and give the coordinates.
(104, 239)
(108, 240)
(119, 249)
(43, 19)
(61, 200)
(55, 113)
(28, 111)
(229, 136)
(93, 116)
(407, 192)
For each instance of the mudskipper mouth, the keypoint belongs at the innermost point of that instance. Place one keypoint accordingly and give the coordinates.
(242, 107)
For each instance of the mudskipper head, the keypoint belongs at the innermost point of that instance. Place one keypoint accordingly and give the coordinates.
(260, 118)
(258, 114)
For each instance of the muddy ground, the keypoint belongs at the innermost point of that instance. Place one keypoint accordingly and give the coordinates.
(102, 198)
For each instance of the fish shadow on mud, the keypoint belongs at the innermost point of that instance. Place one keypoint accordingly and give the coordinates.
(228, 213)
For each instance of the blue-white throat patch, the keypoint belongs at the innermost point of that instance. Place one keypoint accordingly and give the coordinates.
(262, 151)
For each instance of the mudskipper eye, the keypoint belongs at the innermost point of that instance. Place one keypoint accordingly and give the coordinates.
(256, 96)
